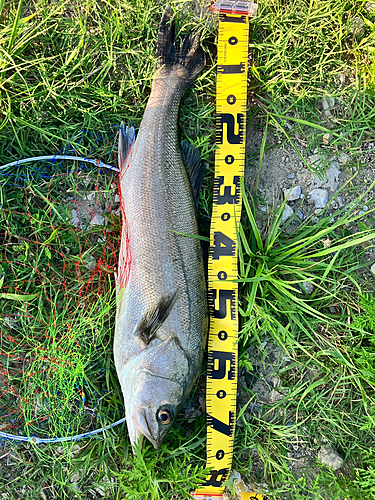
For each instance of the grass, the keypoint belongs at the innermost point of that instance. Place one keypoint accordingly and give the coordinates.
(70, 72)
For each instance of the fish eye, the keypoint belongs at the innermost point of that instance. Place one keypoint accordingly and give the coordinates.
(165, 416)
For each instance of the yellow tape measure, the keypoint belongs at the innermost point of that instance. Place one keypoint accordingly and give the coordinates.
(231, 96)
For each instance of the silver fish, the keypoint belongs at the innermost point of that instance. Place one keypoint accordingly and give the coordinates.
(162, 316)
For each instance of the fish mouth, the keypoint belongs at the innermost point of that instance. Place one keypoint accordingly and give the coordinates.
(141, 427)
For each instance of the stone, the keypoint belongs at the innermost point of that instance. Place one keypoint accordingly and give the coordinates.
(326, 138)
(315, 160)
(74, 214)
(333, 174)
(325, 104)
(340, 79)
(287, 213)
(330, 457)
(328, 103)
(293, 194)
(357, 27)
(340, 202)
(308, 287)
(372, 268)
(319, 197)
(301, 215)
(291, 176)
(98, 220)
(330, 179)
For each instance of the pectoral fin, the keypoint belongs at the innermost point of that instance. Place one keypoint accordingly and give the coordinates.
(155, 317)
(125, 143)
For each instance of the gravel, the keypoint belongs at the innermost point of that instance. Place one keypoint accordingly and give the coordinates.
(319, 197)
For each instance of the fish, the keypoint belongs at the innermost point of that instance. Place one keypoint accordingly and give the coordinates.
(162, 313)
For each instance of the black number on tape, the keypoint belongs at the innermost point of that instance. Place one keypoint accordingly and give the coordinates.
(231, 99)
(222, 360)
(219, 426)
(227, 196)
(224, 297)
(223, 246)
(222, 335)
(229, 120)
(217, 478)
(233, 40)
(221, 394)
(225, 216)
(231, 68)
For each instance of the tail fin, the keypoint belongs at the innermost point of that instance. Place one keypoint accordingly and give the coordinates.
(171, 56)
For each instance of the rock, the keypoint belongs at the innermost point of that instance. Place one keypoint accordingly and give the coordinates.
(326, 138)
(340, 79)
(98, 220)
(103, 486)
(287, 213)
(293, 194)
(291, 176)
(343, 158)
(340, 202)
(90, 262)
(307, 286)
(370, 7)
(330, 180)
(330, 457)
(315, 220)
(315, 160)
(333, 177)
(319, 197)
(372, 268)
(74, 214)
(301, 215)
(357, 27)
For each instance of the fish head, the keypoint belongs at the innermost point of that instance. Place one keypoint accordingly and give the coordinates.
(156, 390)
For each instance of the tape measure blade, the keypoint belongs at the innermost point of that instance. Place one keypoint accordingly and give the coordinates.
(231, 93)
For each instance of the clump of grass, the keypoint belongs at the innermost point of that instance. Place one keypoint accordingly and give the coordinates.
(299, 286)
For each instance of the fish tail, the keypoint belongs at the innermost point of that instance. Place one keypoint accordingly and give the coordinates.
(173, 57)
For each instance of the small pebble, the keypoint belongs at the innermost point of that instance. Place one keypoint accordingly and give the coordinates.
(293, 194)
(300, 215)
(291, 176)
(319, 197)
(287, 213)
(330, 457)
(372, 268)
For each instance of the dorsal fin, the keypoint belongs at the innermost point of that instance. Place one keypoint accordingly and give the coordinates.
(194, 166)
(155, 317)
(125, 143)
